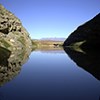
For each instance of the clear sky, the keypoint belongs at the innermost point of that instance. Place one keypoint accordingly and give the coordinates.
(52, 18)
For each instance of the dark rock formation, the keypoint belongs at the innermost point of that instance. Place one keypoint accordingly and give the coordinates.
(87, 34)
(89, 60)
(83, 46)
(4, 55)
(13, 36)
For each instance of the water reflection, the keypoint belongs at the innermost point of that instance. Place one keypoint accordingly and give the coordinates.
(47, 76)
(89, 60)
(10, 64)
(51, 50)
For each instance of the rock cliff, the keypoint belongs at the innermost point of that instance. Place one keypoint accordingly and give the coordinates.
(15, 45)
(13, 36)
(86, 35)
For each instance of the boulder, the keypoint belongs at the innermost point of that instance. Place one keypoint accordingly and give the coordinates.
(86, 35)
(13, 36)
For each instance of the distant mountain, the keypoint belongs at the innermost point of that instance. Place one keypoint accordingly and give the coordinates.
(54, 39)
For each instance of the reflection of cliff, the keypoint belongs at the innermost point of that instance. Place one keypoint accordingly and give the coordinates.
(90, 60)
(10, 64)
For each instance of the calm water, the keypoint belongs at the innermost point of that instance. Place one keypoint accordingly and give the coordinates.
(51, 75)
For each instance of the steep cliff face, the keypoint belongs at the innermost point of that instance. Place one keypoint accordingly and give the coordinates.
(87, 34)
(15, 45)
(13, 36)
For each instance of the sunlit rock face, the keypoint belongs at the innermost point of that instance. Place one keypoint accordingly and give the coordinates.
(13, 36)
(89, 60)
(11, 64)
(87, 34)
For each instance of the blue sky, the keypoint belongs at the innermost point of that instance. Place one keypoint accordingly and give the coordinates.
(52, 18)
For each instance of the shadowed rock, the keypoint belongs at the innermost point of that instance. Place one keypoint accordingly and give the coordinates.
(89, 60)
(83, 48)
(4, 55)
(88, 32)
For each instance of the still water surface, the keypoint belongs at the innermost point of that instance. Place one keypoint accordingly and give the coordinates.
(51, 75)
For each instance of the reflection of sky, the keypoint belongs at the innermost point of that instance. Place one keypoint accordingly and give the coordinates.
(52, 18)
(52, 77)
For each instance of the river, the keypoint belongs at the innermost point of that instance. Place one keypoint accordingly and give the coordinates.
(51, 75)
